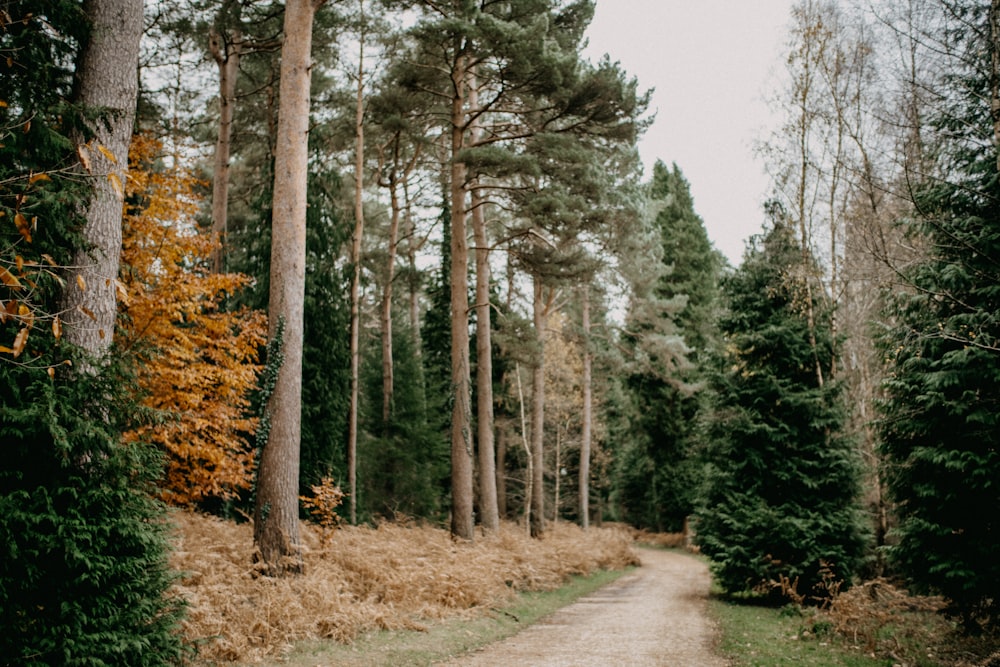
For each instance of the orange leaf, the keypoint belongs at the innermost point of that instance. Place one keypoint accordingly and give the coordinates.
(41, 176)
(88, 312)
(8, 279)
(57, 327)
(116, 183)
(23, 226)
(81, 283)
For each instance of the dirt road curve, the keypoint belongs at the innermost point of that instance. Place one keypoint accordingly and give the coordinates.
(653, 616)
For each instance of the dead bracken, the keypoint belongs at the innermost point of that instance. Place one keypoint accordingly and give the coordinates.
(359, 579)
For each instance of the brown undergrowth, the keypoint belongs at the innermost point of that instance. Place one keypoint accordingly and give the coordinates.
(359, 579)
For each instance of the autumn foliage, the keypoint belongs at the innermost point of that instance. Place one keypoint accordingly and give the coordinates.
(200, 360)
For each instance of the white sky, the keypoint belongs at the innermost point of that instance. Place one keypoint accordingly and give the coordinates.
(709, 62)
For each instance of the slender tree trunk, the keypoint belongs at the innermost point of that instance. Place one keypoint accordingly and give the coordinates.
(107, 80)
(995, 75)
(359, 228)
(588, 400)
(276, 515)
(501, 467)
(489, 514)
(462, 524)
(385, 320)
(538, 415)
(529, 477)
(226, 52)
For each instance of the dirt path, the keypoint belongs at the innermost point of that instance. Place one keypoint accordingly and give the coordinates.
(653, 616)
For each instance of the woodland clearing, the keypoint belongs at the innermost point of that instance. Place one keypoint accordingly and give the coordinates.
(359, 579)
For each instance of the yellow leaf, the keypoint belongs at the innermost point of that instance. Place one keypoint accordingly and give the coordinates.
(83, 153)
(19, 263)
(57, 327)
(8, 279)
(3, 104)
(48, 259)
(52, 372)
(34, 178)
(116, 183)
(88, 312)
(108, 154)
(6, 350)
(19, 342)
(81, 283)
(23, 226)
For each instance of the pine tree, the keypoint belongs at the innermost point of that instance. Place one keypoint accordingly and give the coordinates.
(939, 419)
(781, 495)
(657, 471)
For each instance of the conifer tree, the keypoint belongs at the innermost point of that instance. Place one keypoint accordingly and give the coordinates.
(939, 419)
(781, 495)
(83, 569)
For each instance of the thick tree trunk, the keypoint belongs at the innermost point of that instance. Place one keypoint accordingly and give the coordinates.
(462, 524)
(226, 52)
(588, 411)
(538, 416)
(107, 80)
(276, 516)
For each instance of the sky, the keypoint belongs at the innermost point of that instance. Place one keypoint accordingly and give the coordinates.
(710, 63)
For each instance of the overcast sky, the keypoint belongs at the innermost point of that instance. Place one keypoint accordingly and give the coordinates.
(709, 62)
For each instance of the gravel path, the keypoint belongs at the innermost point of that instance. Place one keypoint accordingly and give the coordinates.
(652, 616)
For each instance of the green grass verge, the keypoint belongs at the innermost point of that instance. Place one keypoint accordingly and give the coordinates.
(753, 636)
(410, 648)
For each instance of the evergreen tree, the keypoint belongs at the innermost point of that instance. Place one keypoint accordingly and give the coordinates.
(656, 473)
(780, 498)
(83, 570)
(940, 424)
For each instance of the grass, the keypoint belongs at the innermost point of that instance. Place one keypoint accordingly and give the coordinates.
(754, 636)
(445, 639)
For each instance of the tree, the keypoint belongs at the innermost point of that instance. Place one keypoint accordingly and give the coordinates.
(780, 499)
(276, 514)
(198, 360)
(939, 416)
(107, 84)
(83, 566)
(657, 472)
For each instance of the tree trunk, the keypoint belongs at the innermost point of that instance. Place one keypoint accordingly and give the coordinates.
(385, 320)
(226, 52)
(538, 416)
(462, 524)
(489, 515)
(276, 515)
(588, 399)
(107, 80)
(359, 228)
(501, 467)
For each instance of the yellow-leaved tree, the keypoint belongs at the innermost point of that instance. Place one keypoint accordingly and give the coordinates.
(200, 360)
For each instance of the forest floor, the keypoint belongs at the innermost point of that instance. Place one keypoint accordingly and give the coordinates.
(655, 615)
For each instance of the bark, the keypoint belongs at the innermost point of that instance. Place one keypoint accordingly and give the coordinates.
(462, 524)
(276, 516)
(226, 50)
(538, 415)
(995, 75)
(501, 467)
(107, 81)
(586, 435)
(359, 227)
(489, 514)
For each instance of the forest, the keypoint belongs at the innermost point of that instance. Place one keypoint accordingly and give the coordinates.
(313, 264)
